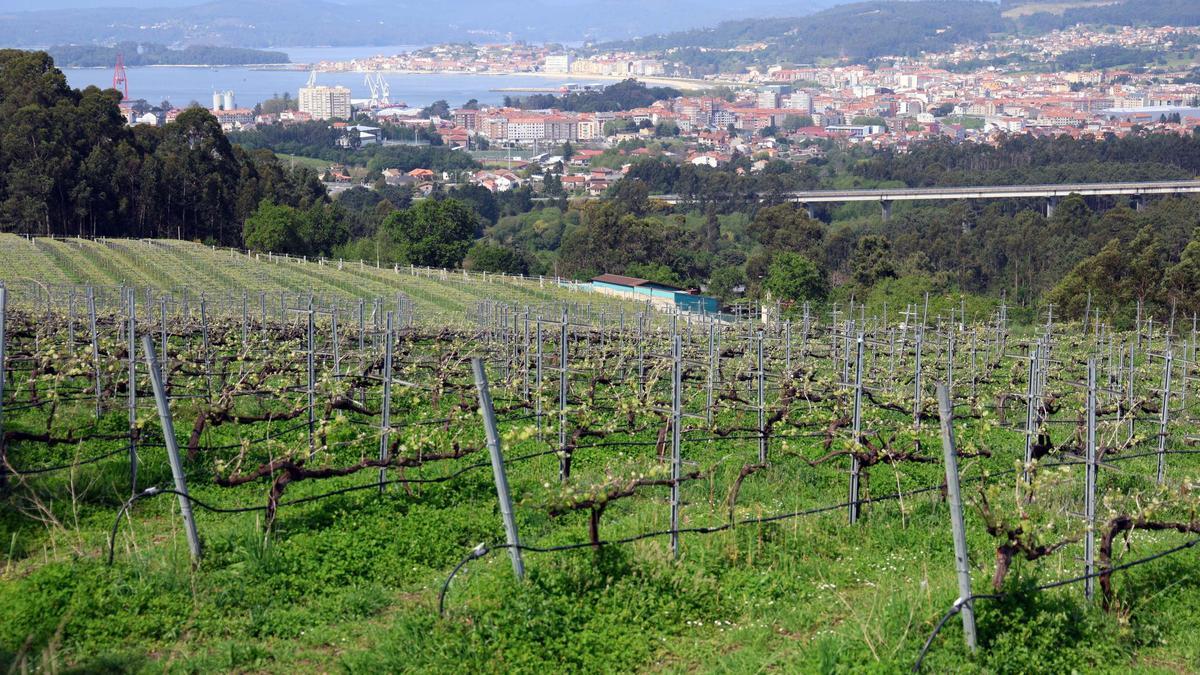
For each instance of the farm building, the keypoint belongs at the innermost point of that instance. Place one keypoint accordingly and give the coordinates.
(661, 295)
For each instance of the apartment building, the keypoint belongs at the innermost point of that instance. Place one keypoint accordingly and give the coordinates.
(325, 103)
(558, 63)
(466, 118)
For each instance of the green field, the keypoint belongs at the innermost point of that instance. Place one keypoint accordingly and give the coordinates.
(770, 575)
(173, 266)
(299, 160)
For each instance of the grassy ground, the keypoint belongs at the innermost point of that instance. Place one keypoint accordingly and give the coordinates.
(176, 266)
(350, 583)
(313, 163)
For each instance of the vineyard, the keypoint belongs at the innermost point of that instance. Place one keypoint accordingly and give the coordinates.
(188, 270)
(212, 462)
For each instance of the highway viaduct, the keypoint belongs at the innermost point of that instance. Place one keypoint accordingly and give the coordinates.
(1137, 191)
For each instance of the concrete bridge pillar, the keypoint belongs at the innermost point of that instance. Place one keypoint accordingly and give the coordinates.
(1139, 202)
(808, 208)
(887, 209)
(1051, 204)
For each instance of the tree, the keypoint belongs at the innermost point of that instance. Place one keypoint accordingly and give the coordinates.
(654, 271)
(433, 233)
(794, 122)
(1072, 217)
(872, 260)
(488, 257)
(723, 282)
(792, 276)
(712, 230)
(552, 185)
(567, 151)
(439, 108)
(619, 126)
(1104, 276)
(872, 120)
(322, 228)
(630, 196)
(1182, 280)
(479, 198)
(273, 228)
(610, 239)
(787, 228)
(70, 164)
(1145, 266)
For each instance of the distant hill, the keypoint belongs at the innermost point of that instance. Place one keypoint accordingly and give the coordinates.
(867, 30)
(1125, 13)
(856, 31)
(273, 23)
(151, 54)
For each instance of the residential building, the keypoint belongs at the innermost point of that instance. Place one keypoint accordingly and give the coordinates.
(558, 63)
(466, 118)
(800, 100)
(324, 102)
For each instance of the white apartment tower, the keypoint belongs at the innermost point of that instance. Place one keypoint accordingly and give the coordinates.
(802, 101)
(558, 63)
(325, 102)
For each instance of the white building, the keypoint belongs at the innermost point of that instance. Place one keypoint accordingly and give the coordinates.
(800, 100)
(558, 63)
(325, 102)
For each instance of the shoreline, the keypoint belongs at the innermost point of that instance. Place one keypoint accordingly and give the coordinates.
(685, 84)
(255, 66)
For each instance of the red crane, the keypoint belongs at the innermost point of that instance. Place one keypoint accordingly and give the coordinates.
(120, 83)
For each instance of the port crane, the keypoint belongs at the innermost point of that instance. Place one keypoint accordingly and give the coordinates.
(381, 91)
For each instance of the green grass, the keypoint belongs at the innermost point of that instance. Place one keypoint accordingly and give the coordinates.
(313, 163)
(172, 266)
(351, 583)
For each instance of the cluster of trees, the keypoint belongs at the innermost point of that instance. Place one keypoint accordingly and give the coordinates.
(730, 187)
(285, 229)
(1027, 160)
(70, 165)
(779, 250)
(276, 104)
(152, 54)
(437, 232)
(738, 238)
(1106, 56)
(1133, 59)
(624, 95)
(320, 140)
(1130, 274)
(992, 250)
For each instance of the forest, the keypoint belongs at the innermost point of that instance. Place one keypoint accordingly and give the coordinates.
(1024, 159)
(69, 165)
(319, 139)
(867, 30)
(152, 54)
(624, 95)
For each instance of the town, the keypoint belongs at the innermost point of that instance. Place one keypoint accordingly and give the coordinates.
(791, 113)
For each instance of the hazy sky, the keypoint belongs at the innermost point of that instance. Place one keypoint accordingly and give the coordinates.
(26, 5)
(779, 7)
